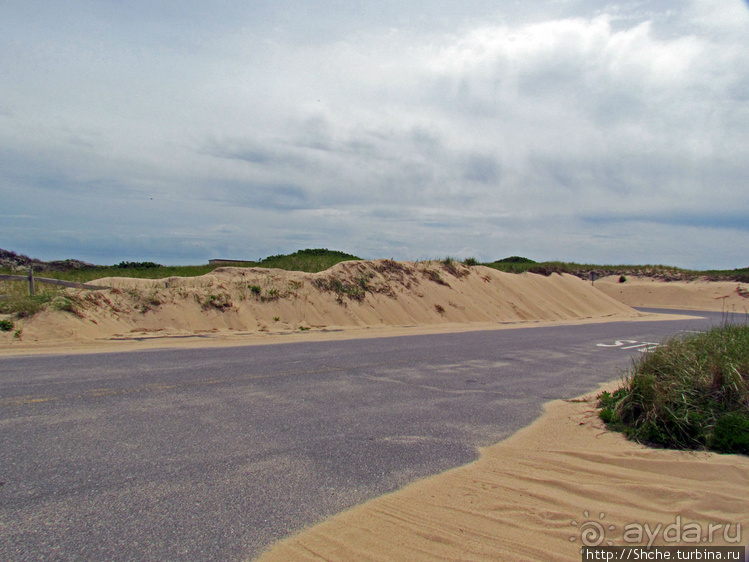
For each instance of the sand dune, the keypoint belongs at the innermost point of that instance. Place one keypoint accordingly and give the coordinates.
(532, 496)
(730, 297)
(238, 302)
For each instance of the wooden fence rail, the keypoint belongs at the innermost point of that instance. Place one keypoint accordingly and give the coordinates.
(32, 280)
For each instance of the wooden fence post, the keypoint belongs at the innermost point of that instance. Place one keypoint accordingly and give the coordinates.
(31, 281)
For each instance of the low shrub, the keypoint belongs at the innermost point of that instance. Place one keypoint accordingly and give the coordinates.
(731, 434)
(515, 259)
(137, 265)
(311, 260)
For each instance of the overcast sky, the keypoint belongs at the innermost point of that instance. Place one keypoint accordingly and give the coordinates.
(180, 131)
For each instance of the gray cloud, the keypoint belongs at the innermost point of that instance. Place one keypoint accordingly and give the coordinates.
(481, 168)
(555, 129)
(716, 221)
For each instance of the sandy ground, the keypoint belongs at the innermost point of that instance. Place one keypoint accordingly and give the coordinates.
(691, 295)
(538, 495)
(234, 306)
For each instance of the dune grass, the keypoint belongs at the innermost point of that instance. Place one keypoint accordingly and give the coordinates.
(690, 393)
(25, 306)
(90, 274)
(523, 265)
(516, 264)
(16, 299)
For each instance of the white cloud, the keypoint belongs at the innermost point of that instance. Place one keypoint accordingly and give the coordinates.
(406, 131)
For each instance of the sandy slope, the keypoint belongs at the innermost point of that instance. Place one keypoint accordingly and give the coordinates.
(237, 302)
(528, 497)
(691, 295)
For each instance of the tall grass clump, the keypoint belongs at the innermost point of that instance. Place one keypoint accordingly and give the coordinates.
(24, 306)
(17, 302)
(452, 266)
(690, 393)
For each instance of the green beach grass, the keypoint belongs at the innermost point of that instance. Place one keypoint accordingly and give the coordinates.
(690, 393)
(517, 264)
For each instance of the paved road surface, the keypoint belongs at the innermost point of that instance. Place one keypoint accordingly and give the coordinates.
(216, 453)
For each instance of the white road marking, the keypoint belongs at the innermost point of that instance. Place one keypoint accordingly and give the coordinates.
(643, 347)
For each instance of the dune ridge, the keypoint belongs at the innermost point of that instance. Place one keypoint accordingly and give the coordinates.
(350, 294)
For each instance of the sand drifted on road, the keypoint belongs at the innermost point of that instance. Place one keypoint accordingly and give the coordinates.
(722, 296)
(538, 495)
(253, 301)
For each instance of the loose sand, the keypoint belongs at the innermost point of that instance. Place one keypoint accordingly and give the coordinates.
(533, 496)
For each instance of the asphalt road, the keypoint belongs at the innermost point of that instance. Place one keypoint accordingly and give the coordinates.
(217, 453)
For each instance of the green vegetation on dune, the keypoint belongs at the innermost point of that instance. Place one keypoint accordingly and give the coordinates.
(542, 268)
(740, 274)
(98, 272)
(515, 259)
(690, 393)
(23, 306)
(319, 259)
(310, 261)
(516, 264)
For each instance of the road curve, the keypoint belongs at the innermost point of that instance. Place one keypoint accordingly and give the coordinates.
(217, 453)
